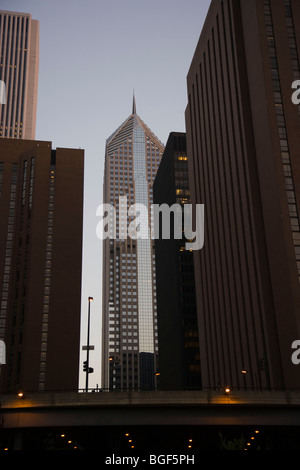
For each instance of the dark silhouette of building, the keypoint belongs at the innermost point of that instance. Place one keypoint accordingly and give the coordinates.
(243, 140)
(179, 363)
(41, 208)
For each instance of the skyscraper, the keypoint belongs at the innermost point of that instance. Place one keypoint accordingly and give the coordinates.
(19, 49)
(41, 212)
(178, 343)
(130, 350)
(243, 135)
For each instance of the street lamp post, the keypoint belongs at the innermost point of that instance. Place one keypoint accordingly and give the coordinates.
(88, 346)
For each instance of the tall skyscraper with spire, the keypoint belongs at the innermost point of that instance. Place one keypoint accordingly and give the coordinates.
(129, 342)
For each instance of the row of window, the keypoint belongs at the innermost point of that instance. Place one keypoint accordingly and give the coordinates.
(126, 163)
(124, 178)
(26, 240)
(8, 258)
(292, 42)
(280, 116)
(48, 267)
(30, 196)
(14, 29)
(17, 134)
(1, 178)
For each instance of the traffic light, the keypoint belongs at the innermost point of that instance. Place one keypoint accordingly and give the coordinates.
(87, 369)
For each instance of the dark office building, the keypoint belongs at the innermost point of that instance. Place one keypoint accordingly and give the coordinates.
(41, 208)
(178, 342)
(243, 140)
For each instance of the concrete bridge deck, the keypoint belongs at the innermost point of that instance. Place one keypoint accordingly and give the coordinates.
(147, 408)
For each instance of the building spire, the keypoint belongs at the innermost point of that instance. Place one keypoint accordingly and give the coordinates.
(133, 104)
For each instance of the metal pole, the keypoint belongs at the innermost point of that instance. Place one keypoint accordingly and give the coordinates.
(88, 348)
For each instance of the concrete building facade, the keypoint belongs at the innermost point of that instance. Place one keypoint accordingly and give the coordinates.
(243, 140)
(41, 212)
(19, 68)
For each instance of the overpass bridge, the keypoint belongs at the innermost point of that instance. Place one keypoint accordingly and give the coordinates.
(154, 417)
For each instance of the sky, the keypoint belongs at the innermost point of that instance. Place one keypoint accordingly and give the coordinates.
(92, 55)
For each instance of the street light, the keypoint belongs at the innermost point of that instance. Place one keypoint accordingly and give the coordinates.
(88, 369)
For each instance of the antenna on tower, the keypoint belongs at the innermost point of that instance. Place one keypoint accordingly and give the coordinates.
(133, 104)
